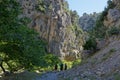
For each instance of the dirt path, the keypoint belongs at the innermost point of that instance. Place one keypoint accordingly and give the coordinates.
(48, 76)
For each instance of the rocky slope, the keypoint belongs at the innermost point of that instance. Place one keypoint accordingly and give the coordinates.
(104, 65)
(52, 19)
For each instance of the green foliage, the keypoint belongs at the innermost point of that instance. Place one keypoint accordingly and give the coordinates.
(117, 76)
(111, 5)
(90, 44)
(75, 23)
(76, 62)
(21, 76)
(113, 31)
(41, 6)
(66, 6)
(50, 7)
(71, 64)
(74, 18)
(25, 20)
(112, 50)
(99, 31)
(19, 45)
(50, 60)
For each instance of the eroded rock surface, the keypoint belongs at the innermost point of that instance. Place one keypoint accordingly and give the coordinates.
(53, 22)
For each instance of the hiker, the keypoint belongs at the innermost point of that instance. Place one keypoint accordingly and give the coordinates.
(56, 67)
(65, 67)
(61, 66)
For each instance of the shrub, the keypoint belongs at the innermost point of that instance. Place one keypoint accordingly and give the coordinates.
(90, 44)
(117, 76)
(76, 62)
(99, 31)
(114, 31)
(41, 6)
(112, 50)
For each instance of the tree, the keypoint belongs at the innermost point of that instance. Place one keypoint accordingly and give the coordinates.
(19, 45)
(110, 4)
(99, 31)
(90, 44)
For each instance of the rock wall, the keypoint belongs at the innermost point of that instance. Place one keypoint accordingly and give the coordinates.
(117, 3)
(53, 22)
(87, 21)
(113, 16)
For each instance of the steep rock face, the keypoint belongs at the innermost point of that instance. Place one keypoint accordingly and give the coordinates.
(113, 16)
(87, 21)
(117, 3)
(53, 22)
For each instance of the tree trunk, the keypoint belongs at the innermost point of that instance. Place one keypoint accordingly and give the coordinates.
(2, 67)
(11, 69)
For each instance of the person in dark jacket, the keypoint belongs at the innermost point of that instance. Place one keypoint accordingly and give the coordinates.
(65, 67)
(61, 66)
(56, 67)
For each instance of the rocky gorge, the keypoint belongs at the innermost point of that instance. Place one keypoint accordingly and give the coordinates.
(53, 20)
(105, 63)
(65, 34)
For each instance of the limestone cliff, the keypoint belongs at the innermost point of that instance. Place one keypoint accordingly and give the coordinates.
(117, 3)
(105, 63)
(51, 18)
(113, 15)
(87, 21)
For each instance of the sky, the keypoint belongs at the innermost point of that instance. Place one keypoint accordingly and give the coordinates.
(88, 6)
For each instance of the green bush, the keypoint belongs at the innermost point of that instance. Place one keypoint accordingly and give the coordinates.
(99, 31)
(76, 62)
(117, 76)
(111, 5)
(114, 31)
(41, 6)
(112, 50)
(90, 44)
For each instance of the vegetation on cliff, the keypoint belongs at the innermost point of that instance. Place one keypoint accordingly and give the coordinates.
(99, 31)
(19, 46)
(23, 48)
